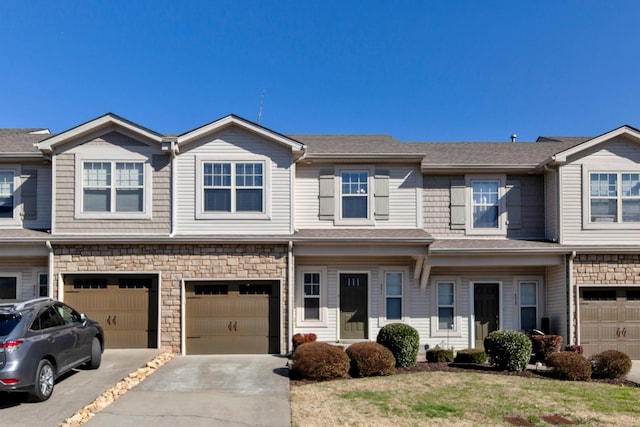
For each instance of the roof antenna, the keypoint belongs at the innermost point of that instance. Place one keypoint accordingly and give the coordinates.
(513, 137)
(260, 108)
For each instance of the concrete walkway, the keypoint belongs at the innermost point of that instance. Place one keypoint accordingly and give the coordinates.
(216, 390)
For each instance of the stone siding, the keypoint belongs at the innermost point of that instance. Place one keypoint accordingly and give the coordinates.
(176, 262)
(606, 270)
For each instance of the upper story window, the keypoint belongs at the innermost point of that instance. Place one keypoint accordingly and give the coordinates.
(233, 187)
(614, 197)
(115, 189)
(355, 194)
(486, 203)
(7, 202)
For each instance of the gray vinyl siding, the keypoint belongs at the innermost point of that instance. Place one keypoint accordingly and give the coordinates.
(551, 205)
(617, 155)
(437, 206)
(532, 207)
(234, 145)
(466, 276)
(415, 304)
(556, 300)
(27, 268)
(112, 146)
(404, 184)
(43, 197)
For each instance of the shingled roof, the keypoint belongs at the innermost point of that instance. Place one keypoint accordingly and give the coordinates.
(21, 140)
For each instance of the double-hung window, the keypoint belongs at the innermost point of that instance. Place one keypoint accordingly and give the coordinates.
(233, 187)
(393, 281)
(614, 197)
(486, 203)
(446, 305)
(528, 305)
(354, 194)
(7, 201)
(311, 284)
(113, 187)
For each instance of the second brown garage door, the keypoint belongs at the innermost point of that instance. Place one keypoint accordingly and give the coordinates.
(232, 317)
(610, 320)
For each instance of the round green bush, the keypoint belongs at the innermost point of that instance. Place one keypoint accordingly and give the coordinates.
(319, 361)
(403, 341)
(370, 359)
(508, 350)
(471, 355)
(439, 355)
(568, 365)
(610, 364)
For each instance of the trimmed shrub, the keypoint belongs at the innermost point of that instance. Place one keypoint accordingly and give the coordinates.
(567, 365)
(574, 348)
(471, 355)
(298, 339)
(610, 364)
(370, 359)
(403, 342)
(508, 350)
(439, 355)
(544, 345)
(319, 361)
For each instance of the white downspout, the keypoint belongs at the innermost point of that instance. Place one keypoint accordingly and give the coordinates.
(571, 304)
(290, 297)
(50, 270)
(174, 149)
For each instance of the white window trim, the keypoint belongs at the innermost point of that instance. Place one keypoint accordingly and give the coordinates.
(456, 332)
(37, 275)
(19, 284)
(369, 220)
(300, 320)
(382, 274)
(501, 230)
(16, 219)
(266, 195)
(147, 202)
(587, 170)
(539, 298)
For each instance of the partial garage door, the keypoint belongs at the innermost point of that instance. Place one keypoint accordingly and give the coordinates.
(125, 306)
(610, 320)
(232, 317)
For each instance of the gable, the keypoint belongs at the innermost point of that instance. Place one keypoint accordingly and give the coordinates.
(623, 133)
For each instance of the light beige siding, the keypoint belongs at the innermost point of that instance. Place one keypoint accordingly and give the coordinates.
(404, 184)
(237, 145)
(619, 155)
(556, 300)
(43, 197)
(112, 146)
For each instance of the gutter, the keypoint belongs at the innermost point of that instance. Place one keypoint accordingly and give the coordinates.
(571, 298)
(290, 297)
(50, 269)
(173, 154)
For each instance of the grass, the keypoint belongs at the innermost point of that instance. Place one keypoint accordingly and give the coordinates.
(460, 399)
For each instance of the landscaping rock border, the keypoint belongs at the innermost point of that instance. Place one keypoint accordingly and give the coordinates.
(120, 388)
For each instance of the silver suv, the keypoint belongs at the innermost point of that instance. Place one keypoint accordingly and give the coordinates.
(41, 339)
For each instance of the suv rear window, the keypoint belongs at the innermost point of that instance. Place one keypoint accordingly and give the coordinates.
(8, 322)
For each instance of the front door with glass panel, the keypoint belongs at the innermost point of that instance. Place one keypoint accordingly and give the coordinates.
(353, 306)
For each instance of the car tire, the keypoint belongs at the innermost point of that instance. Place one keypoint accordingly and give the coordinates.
(96, 354)
(45, 380)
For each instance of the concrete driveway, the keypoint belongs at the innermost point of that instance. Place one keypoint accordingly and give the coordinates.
(74, 391)
(212, 390)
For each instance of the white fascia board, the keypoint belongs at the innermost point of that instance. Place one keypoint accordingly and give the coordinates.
(101, 122)
(562, 156)
(196, 134)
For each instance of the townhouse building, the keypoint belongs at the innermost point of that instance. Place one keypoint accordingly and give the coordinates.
(232, 237)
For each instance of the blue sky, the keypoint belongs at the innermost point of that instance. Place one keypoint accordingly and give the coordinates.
(417, 70)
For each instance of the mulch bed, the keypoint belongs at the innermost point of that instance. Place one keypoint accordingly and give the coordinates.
(484, 369)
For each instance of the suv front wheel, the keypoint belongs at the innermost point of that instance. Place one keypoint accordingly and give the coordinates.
(45, 379)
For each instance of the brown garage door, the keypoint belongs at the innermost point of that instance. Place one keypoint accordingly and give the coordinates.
(232, 317)
(610, 320)
(125, 307)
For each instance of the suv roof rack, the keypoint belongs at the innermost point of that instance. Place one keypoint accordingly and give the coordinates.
(20, 305)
